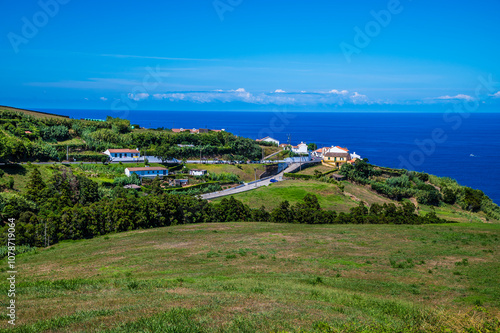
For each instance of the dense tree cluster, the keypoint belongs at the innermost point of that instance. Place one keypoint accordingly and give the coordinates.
(426, 189)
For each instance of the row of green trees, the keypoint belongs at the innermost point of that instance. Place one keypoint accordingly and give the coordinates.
(69, 206)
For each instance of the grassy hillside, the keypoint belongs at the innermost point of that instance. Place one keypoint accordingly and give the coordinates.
(332, 198)
(244, 171)
(29, 136)
(316, 167)
(329, 196)
(263, 277)
(35, 114)
(268, 150)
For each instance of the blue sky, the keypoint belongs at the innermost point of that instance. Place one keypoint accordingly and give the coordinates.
(250, 54)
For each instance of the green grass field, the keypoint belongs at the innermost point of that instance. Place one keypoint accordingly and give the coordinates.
(268, 150)
(332, 198)
(310, 170)
(244, 171)
(264, 277)
(329, 195)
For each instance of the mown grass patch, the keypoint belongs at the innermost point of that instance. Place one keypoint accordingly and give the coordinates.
(329, 195)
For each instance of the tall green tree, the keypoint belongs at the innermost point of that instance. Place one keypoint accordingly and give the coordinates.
(36, 187)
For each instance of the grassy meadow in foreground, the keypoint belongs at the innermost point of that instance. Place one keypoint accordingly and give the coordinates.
(263, 277)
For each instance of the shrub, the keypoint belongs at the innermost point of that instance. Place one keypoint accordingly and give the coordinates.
(429, 197)
(403, 181)
(471, 199)
(423, 176)
(449, 196)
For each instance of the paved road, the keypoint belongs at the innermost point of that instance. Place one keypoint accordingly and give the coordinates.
(253, 185)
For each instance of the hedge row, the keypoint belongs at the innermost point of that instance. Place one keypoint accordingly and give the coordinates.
(299, 176)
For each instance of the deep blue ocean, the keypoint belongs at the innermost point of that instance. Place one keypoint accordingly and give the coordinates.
(465, 147)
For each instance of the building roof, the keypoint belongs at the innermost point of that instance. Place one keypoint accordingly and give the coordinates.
(335, 149)
(198, 170)
(267, 137)
(123, 150)
(178, 130)
(337, 155)
(145, 169)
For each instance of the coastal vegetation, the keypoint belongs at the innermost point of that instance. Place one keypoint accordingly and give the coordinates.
(24, 137)
(381, 249)
(68, 206)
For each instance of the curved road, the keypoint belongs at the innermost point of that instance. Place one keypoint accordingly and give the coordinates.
(253, 185)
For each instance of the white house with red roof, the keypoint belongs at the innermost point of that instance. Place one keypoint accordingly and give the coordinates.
(123, 154)
(148, 172)
(301, 148)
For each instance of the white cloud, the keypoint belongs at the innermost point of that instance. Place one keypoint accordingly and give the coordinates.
(459, 96)
(335, 91)
(171, 97)
(277, 98)
(357, 95)
(496, 95)
(138, 97)
(358, 98)
(103, 99)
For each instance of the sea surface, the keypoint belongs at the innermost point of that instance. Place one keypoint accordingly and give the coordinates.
(465, 147)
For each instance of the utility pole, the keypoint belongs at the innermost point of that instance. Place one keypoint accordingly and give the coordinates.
(200, 154)
(67, 153)
(45, 234)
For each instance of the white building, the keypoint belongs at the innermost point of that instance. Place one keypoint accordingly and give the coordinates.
(301, 148)
(355, 156)
(197, 172)
(123, 154)
(150, 172)
(335, 149)
(269, 139)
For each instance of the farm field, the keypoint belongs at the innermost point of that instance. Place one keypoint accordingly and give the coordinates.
(329, 195)
(244, 171)
(263, 277)
(310, 170)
